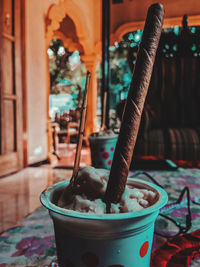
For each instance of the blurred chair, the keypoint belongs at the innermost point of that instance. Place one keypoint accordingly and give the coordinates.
(72, 130)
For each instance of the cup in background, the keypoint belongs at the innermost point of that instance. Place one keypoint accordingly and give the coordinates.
(102, 149)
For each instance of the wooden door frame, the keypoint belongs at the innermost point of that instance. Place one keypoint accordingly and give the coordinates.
(20, 161)
(1, 28)
(19, 82)
(24, 82)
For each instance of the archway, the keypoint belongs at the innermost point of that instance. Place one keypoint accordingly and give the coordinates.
(65, 21)
(58, 12)
(138, 25)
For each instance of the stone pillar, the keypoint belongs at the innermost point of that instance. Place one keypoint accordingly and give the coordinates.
(91, 62)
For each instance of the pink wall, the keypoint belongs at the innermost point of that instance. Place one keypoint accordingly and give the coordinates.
(36, 80)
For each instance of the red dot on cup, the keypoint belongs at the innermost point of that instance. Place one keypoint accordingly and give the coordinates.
(112, 148)
(105, 155)
(144, 248)
(110, 162)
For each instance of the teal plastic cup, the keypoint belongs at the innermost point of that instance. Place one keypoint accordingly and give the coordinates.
(102, 150)
(108, 240)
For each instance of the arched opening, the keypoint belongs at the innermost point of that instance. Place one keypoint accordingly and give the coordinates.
(66, 73)
(67, 84)
(65, 22)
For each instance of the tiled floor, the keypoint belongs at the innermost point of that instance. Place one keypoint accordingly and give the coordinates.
(19, 192)
(66, 152)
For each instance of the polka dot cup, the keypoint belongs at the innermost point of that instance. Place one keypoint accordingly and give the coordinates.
(102, 149)
(109, 240)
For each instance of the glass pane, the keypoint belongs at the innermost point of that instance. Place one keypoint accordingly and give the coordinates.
(9, 126)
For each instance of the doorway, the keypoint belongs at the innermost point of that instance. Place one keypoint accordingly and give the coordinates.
(11, 118)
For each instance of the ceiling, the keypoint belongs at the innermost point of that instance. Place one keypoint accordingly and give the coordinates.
(126, 11)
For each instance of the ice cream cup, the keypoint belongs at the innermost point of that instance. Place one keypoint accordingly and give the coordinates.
(109, 240)
(102, 150)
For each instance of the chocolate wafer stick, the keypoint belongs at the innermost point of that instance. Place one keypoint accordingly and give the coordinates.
(134, 104)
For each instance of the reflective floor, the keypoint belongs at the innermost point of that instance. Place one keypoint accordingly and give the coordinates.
(19, 192)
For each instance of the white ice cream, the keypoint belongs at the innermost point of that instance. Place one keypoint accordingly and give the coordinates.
(90, 188)
(104, 133)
